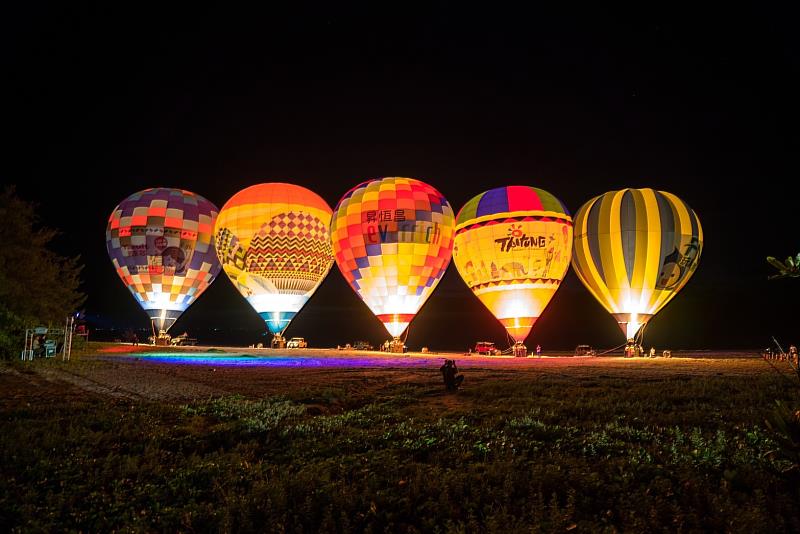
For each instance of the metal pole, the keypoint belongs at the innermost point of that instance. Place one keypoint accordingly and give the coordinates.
(71, 329)
(29, 346)
(64, 348)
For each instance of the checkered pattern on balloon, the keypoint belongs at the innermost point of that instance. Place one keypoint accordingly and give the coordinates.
(160, 241)
(392, 240)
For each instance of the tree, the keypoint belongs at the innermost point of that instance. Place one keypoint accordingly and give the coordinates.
(37, 286)
(787, 269)
(784, 421)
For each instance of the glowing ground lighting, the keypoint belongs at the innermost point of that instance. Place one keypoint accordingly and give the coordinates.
(245, 360)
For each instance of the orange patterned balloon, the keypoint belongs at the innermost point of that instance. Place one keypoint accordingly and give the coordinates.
(273, 241)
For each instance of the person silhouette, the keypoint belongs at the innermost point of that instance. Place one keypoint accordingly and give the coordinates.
(452, 380)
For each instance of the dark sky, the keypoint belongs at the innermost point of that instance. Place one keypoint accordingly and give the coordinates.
(107, 100)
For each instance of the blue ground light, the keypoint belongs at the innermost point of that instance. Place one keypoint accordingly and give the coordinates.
(247, 360)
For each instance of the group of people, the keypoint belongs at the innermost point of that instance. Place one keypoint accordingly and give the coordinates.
(634, 350)
(791, 356)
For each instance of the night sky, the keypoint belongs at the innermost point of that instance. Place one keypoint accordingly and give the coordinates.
(104, 101)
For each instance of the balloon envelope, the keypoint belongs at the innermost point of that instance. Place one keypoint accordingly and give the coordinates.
(160, 242)
(273, 241)
(634, 250)
(392, 240)
(512, 248)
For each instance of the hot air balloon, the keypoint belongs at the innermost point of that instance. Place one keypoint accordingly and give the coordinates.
(273, 241)
(634, 250)
(392, 240)
(160, 242)
(512, 248)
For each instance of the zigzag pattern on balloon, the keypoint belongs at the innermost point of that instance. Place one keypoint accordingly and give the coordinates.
(516, 281)
(262, 258)
(228, 248)
(293, 248)
(528, 218)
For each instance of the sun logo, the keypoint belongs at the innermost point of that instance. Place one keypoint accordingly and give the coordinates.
(515, 230)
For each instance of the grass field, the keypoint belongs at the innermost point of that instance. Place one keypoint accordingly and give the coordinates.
(111, 443)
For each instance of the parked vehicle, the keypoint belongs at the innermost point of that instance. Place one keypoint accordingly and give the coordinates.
(296, 343)
(182, 340)
(362, 345)
(585, 350)
(486, 348)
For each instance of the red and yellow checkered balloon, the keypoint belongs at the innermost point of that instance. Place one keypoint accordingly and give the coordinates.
(392, 240)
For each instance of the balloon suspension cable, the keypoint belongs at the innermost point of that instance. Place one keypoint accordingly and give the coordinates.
(511, 342)
(612, 349)
(641, 334)
(778, 345)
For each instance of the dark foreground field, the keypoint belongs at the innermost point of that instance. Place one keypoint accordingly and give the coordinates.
(104, 444)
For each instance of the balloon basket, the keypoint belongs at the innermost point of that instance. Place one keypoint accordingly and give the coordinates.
(162, 339)
(278, 342)
(397, 345)
(519, 350)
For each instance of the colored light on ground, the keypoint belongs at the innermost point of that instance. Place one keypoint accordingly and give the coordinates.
(244, 360)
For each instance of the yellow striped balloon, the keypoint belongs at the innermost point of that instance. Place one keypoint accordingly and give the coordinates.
(634, 249)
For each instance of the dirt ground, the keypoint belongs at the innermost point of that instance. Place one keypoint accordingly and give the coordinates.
(126, 372)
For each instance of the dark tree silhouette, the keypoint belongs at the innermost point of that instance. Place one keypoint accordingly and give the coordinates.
(784, 421)
(37, 286)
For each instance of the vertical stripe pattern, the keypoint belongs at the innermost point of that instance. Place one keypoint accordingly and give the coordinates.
(634, 249)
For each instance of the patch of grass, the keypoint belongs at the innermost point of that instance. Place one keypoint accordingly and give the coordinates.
(504, 455)
(261, 416)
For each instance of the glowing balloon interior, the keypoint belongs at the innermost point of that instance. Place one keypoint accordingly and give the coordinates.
(634, 250)
(273, 241)
(512, 248)
(392, 240)
(160, 242)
